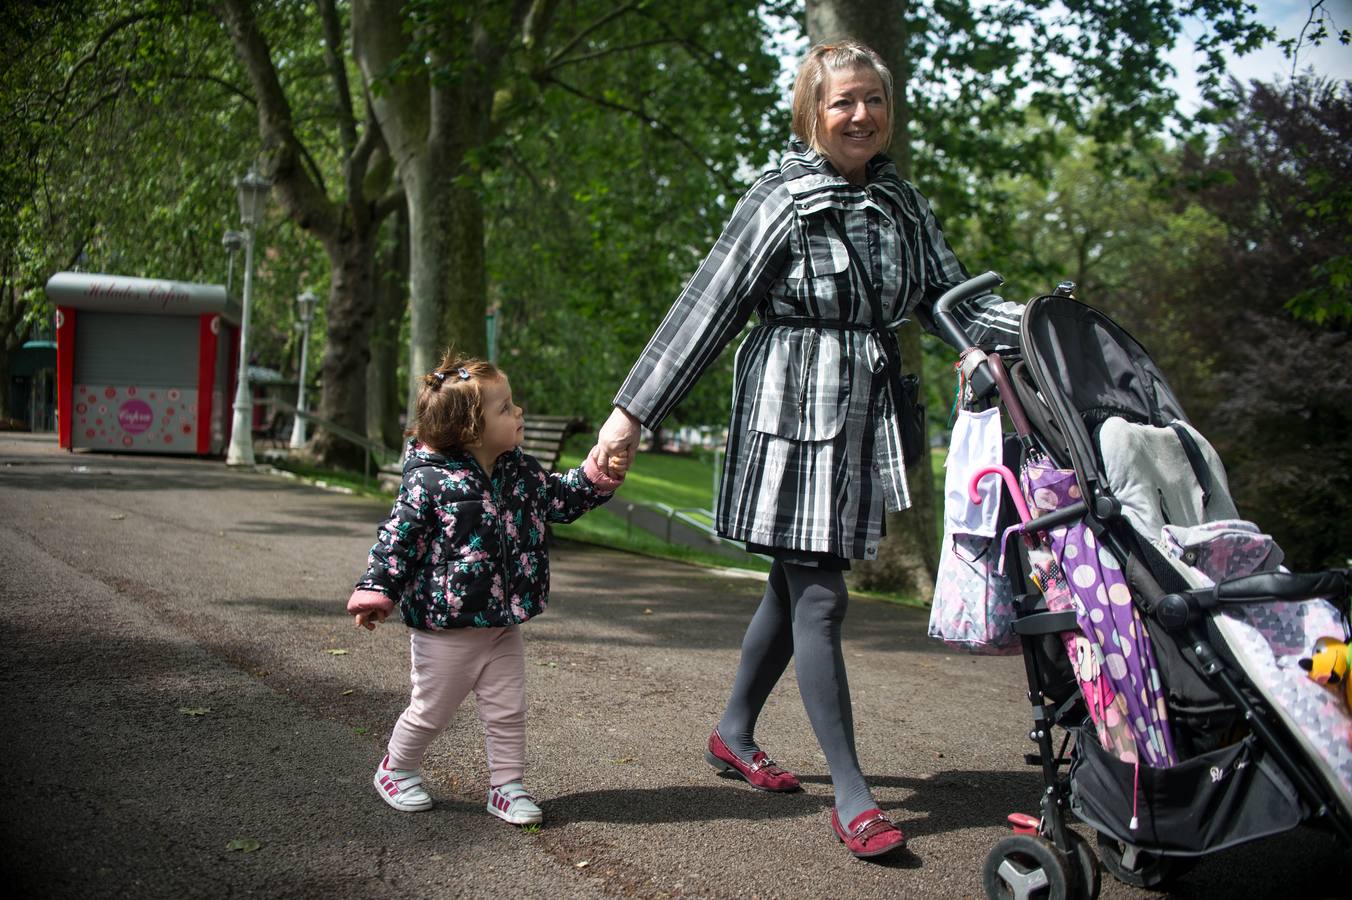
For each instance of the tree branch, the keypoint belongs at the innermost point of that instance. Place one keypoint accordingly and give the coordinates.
(581, 35)
(93, 53)
(587, 57)
(333, 41)
(293, 170)
(390, 202)
(647, 120)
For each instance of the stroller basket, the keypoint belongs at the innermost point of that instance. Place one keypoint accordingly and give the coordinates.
(1207, 803)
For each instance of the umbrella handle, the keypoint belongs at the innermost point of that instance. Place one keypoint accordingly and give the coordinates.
(1010, 481)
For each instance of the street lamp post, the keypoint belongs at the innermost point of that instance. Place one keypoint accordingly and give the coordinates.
(252, 190)
(305, 304)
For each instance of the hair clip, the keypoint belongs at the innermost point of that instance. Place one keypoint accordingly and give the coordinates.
(464, 373)
(440, 377)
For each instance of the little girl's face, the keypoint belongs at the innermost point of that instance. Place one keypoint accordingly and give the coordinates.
(503, 423)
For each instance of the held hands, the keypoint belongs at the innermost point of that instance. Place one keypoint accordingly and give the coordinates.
(616, 443)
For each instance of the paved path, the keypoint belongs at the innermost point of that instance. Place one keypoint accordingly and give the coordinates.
(170, 686)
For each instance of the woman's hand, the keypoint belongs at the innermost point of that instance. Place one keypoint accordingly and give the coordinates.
(616, 443)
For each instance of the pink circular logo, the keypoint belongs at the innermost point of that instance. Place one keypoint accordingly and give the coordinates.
(135, 416)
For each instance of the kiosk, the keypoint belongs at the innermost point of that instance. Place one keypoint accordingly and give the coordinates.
(143, 365)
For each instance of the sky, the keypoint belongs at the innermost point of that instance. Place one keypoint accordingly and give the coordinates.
(1330, 60)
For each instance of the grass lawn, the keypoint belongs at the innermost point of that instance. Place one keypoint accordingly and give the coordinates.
(685, 482)
(681, 481)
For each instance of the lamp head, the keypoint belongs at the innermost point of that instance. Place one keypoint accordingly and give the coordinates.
(305, 303)
(252, 191)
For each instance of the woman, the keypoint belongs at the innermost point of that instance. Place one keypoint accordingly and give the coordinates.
(813, 453)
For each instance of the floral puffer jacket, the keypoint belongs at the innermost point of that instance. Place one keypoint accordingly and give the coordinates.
(462, 549)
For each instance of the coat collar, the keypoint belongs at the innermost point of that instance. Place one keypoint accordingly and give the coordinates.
(419, 454)
(815, 185)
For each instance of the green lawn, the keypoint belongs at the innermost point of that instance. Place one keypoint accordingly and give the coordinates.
(685, 482)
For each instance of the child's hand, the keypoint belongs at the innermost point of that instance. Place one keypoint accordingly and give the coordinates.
(605, 470)
(369, 608)
(370, 618)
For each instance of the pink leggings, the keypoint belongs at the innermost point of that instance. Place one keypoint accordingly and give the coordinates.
(446, 666)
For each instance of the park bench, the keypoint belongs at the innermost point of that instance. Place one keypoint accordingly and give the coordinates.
(544, 440)
(545, 436)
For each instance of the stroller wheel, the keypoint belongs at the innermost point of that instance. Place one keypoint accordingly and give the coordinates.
(1023, 866)
(1084, 867)
(1140, 869)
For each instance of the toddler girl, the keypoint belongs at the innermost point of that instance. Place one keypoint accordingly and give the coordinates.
(463, 556)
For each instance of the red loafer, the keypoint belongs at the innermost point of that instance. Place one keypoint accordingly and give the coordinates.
(761, 773)
(871, 834)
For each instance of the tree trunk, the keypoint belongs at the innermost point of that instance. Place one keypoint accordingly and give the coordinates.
(907, 557)
(462, 324)
(384, 390)
(343, 370)
(431, 125)
(429, 267)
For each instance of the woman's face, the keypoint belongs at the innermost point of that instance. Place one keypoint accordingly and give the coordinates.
(854, 124)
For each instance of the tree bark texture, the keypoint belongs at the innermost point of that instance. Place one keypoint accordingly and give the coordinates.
(907, 557)
(343, 369)
(384, 390)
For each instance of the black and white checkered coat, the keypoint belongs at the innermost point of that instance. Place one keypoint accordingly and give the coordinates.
(813, 451)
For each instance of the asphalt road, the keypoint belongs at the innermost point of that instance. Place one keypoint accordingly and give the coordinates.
(179, 678)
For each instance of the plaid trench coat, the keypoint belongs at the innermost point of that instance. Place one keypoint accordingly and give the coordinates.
(814, 454)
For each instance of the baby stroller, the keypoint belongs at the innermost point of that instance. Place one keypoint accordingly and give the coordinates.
(1158, 630)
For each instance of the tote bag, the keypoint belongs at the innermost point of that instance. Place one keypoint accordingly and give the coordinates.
(973, 606)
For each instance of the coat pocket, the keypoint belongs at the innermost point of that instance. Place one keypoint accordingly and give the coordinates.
(818, 251)
(803, 389)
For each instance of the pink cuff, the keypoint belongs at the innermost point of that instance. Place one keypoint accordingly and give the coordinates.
(369, 601)
(603, 482)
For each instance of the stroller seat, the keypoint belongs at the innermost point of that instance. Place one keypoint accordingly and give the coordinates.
(1149, 471)
(1177, 500)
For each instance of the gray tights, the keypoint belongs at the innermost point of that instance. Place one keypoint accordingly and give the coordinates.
(800, 617)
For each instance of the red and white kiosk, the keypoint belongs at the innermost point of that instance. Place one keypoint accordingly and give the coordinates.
(143, 365)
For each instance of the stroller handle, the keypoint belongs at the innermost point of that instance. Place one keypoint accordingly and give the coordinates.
(949, 328)
(1178, 609)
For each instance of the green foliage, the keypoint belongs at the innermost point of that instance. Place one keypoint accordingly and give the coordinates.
(625, 152)
(131, 127)
(993, 85)
(1227, 258)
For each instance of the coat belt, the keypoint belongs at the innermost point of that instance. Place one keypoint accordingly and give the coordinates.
(878, 357)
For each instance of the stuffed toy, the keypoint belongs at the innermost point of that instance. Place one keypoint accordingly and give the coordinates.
(1330, 666)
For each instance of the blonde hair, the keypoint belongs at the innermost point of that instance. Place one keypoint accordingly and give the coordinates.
(449, 414)
(808, 86)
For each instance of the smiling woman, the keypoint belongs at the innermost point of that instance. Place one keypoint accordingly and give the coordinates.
(830, 249)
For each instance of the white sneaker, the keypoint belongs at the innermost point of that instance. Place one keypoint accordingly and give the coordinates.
(401, 788)
(512, 803)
